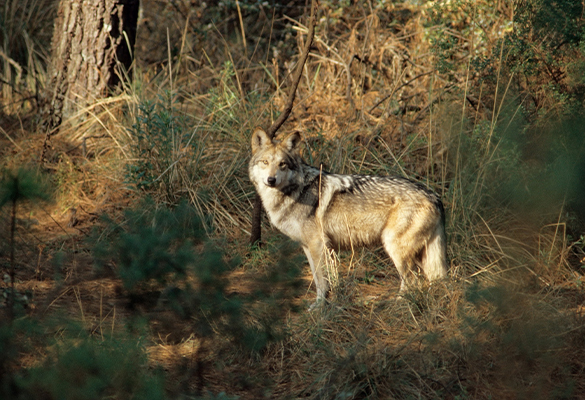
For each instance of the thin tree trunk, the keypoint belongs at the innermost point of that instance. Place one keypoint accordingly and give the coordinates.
(12, 267)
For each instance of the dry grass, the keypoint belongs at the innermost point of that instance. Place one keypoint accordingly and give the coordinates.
(508, 324)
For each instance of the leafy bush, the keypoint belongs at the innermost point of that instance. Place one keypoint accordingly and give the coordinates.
(165, 261)
(541, 51)
(70, 364)
(155, 245)
(159, 143)
(94, 369)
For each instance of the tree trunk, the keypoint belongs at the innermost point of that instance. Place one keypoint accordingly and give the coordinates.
(91, 46)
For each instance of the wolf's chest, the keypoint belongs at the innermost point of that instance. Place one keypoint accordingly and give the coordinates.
(287, 215)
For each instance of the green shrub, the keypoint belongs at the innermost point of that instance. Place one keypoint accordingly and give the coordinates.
(165, 262)
(155, 245)
(159, 142)
(93, 369)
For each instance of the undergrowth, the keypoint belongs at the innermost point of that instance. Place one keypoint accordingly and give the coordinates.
(165, 261)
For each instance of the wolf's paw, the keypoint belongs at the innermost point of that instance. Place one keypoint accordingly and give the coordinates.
(400, 298)
(317, 305)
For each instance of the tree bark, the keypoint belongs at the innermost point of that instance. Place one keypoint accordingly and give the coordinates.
(91, 47)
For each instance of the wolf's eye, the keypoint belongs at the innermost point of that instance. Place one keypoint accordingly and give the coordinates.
(282, 165)
(264, 162)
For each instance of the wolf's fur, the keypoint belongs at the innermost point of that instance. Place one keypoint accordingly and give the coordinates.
(323, 210)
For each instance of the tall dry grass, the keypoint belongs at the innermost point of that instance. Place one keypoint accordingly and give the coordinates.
(25, 31)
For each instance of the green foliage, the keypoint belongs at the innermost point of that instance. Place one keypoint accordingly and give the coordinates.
(163, 259)
(224, 96)
(505, 157)
(456, 27)
(155, 245)
(23, 185)
(444, 48)
(227, 111)
(74, 365)
(538, 51)
(553, 22)
(511, 164)
(159, 143)
(15, 337)
(542, 50)
(525, 335)
(535, 171)
(153, 133)
(338, 10)
(93, 369)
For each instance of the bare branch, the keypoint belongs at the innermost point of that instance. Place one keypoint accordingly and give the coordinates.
(296, 77)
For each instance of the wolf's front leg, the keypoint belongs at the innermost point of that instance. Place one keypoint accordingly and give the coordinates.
(315, 252)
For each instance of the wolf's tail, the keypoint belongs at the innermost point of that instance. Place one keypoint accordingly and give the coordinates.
(434, 262)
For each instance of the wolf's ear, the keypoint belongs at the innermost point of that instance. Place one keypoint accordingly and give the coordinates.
(259, 139)
(291, 142)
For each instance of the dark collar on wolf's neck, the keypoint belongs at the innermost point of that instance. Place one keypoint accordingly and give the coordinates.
(290, 189)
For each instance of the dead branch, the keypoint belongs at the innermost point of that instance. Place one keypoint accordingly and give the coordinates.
(398, 88)
(296, 77)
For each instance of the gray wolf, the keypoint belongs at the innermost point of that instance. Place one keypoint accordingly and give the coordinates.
(322, 211)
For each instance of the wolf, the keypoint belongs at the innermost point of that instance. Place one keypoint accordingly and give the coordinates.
(324, 211)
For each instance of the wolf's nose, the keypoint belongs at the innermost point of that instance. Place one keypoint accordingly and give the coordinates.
(271, 180)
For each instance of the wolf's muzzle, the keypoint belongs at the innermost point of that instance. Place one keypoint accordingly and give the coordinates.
(271, 181)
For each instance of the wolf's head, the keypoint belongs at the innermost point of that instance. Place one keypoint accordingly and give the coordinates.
(273, 163)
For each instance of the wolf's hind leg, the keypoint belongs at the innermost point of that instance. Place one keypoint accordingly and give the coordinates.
(403, 258)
